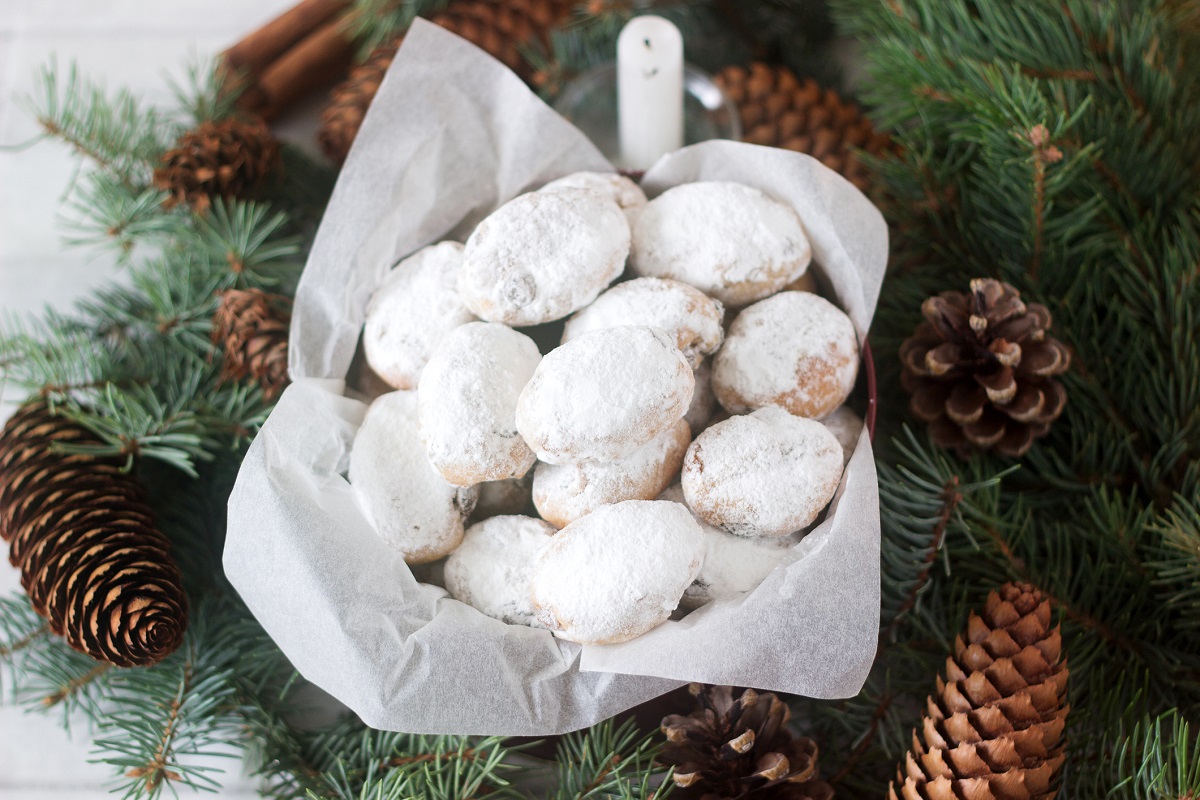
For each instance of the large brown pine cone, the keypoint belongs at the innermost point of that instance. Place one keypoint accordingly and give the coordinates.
(500, 27)
(84, 539)
(780, 110)
(229, 158)
(740, 747)
(980, 369)
(252, 328)
(994, 731)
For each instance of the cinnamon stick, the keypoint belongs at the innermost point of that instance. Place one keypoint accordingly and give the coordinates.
(321, 58)
(257, 51)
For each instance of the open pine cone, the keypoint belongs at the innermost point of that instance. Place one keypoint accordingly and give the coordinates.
(252, 327)
(80, 531)
(994, 731)
(228, 158)
(733, 748)
(980, 369)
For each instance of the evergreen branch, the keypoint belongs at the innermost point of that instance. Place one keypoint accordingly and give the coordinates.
(374, 22)
(243, 241)
(205, 95)
(109, 212)
(74, 686)
(609, 761)
(1156, 760)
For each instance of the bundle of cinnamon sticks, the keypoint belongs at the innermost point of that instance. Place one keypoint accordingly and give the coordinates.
(305, 48)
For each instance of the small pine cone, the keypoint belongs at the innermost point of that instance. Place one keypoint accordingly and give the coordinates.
(80, 531)
(740, 747)
(994, 731)
(252, 328)
(228, 158)
(779, 110)
(980, 369)
(500, 27)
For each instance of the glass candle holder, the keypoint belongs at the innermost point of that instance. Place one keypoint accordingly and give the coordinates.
(589, 101)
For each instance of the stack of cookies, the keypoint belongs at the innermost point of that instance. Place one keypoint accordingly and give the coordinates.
(685, 430)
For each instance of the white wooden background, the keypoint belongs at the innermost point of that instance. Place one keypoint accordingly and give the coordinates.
(130, 43)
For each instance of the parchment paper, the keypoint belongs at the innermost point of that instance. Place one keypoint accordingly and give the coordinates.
(451, 135)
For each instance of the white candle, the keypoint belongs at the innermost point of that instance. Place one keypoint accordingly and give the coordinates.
(649, 90)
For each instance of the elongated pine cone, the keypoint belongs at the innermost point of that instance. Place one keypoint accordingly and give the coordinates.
(981, 369)
(994, 731)
(252, 327)
(499, 27)
(80, 531)
(740, 747)
(229, 158)
(780, 110)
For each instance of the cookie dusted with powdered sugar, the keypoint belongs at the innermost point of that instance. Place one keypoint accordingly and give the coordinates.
(618, 572)
(685, 312)
(604, 395)
(627, 194)
(467, 403)
(411, 505)
(563, 493)
(730, 241)
(542, 255)
(795, 350)
(765, 474)
(492, 569)
(415, 306)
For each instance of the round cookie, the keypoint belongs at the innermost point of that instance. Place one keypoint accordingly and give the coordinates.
(542, 255)
(765, 474)
(467, 402)
(604, 395)
(492, 569)
(627, 194)
(683, 311)
(617, 572)
(565, 492)
(499, 498)
(411, 506)
(704, 403)
(795, 350)
(846, 427)
(733, 565)
(415, 306)
(730, 241)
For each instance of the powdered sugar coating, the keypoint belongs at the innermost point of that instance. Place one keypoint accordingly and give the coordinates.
(612, 185)
(704, 403)
(846, 427)
(617, 572)
(733, 565)
(565, 492)
(467, 403)
(604, 395)
(493, 567)
(765, 474)
(795, 350)
(506, 497)
(692, 317)
(542, 255)
(728, 240)
(415, 306)
(411, 506)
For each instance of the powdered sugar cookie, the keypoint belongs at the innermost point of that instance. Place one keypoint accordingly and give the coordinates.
(604, 395)
(565, 492)
(683, 311)
(411, 506)
(498, 498)
(704, 403)
(846, 427)
(412, 310)
(493, 567)
(613, 185)
(467, 403)
(542, 255)
(733, 565)
(795, 350)
(728, 240)
(618, 572)
(766, 474)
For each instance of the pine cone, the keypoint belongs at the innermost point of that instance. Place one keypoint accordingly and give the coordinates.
(498, 27)
(980, 369)
(779, 110)
(995, 729)
(227, 158)
(252, 328)
(740, 748)
(84, 539)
